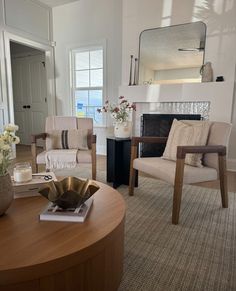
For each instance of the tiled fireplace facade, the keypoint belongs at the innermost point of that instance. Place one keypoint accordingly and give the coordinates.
(202, 108)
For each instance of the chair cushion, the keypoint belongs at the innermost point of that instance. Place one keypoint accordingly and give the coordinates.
(68, 122)
(165, 170)
(82, 157)
(67, 139)
(219, 134)
(40, 159)
(186, 133)
(60, 123)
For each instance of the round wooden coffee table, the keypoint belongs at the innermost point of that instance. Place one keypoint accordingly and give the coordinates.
(43, 255)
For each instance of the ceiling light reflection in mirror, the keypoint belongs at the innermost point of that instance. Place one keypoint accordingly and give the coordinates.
(172, 54)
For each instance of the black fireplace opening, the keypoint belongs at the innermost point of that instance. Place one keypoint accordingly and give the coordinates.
(159, 125)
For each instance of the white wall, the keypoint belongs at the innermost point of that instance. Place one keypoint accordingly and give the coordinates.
(175, 74)
(219, 17)
(29, 19)
(220, 20)
(83, 23)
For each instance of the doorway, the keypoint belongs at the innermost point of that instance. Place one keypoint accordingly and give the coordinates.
(31, 119)
(29, 90)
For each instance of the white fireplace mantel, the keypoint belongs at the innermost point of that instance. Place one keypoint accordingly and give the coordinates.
(219, 94)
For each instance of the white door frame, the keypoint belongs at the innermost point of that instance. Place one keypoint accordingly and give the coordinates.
(49, 65)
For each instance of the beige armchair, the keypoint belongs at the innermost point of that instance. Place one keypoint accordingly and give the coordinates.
(60, 123)
(178, 173)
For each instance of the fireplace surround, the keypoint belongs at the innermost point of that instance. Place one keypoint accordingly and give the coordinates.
(159, 125)
(219, 96)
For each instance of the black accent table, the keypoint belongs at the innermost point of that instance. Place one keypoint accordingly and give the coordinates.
(118, 161)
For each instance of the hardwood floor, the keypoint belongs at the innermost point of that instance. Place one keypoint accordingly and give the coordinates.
(24, 155)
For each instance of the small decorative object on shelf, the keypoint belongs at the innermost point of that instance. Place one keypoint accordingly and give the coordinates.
(7, 139)
(135, 72)
(22, 172)
(120, 113)
(220, 79)
(71, 192)
(207, 72)
(131, 70)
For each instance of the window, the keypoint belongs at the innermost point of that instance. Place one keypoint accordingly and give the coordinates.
(88, 82)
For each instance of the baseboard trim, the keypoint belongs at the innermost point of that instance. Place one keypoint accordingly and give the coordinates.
(231, 165)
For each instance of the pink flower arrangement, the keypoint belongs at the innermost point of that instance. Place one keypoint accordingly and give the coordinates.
(119, 112)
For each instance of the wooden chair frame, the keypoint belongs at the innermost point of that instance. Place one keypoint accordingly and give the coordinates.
(179, 172)
(91, 140)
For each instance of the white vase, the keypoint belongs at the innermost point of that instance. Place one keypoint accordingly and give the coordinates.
(207, 72)
(123, 130)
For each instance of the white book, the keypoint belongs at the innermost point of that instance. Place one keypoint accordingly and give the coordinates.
(54, 213)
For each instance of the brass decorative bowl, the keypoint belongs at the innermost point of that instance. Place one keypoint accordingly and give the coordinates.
(71, 192)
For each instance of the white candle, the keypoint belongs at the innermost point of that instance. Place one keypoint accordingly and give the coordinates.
(22, 175)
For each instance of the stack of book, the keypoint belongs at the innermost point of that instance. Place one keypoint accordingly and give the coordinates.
(54, 213)
(31, 188)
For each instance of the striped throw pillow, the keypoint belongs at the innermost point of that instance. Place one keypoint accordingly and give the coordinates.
(67, 139)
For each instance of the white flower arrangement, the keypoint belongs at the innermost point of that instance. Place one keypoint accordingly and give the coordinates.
(120, 111)
(7, 139)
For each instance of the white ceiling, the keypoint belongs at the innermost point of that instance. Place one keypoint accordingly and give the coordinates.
(53, 3)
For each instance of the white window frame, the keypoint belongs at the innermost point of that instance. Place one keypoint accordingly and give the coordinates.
(73, 51)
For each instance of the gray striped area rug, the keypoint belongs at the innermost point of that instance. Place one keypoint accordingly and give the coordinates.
(198, 254)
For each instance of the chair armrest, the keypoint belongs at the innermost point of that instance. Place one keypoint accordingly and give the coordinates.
(35, 137)
(148, 139)
(183, 150)
(93, 138)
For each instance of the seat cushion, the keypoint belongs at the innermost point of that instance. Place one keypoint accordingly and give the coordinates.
(40, 159)
(82, 157)
(185, 133)
(165, 170)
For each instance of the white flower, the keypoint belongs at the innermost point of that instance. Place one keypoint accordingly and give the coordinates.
(11, 127)
(7, 138)
(5, 147)
(16, 139)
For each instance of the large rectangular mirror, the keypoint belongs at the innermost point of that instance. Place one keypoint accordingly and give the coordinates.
(172, 54)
